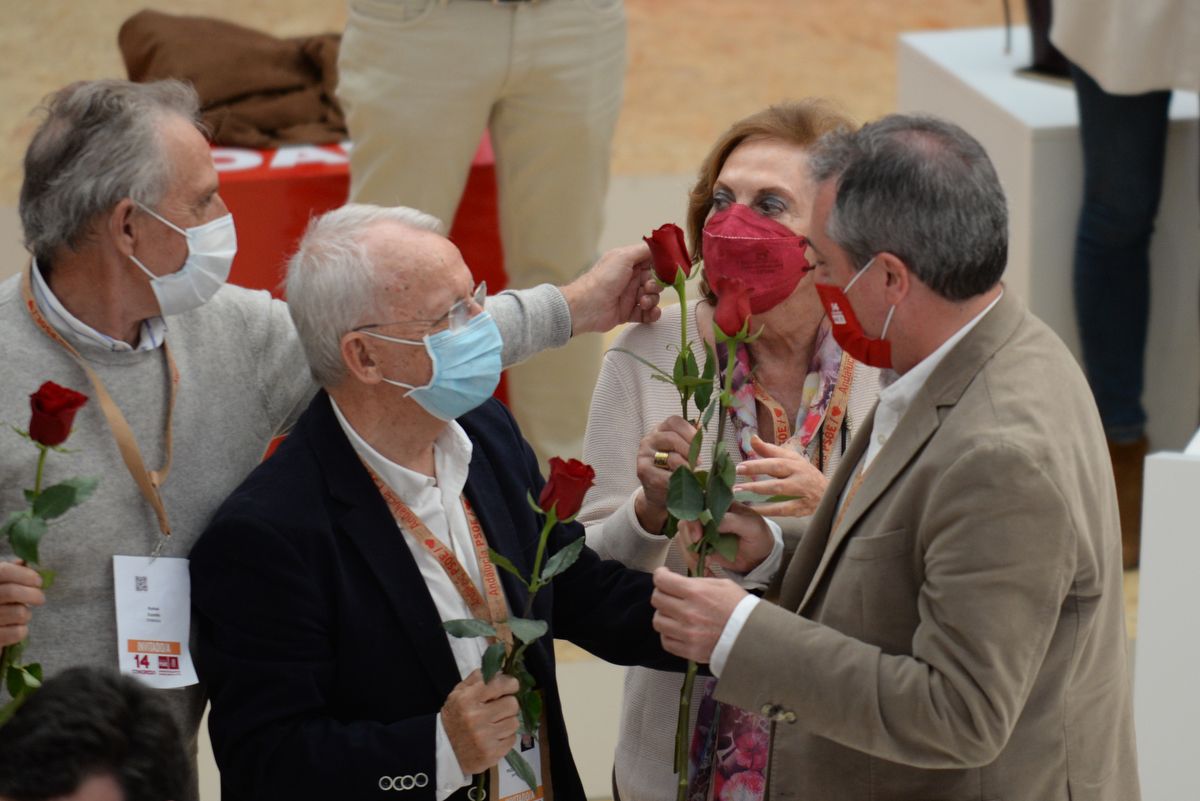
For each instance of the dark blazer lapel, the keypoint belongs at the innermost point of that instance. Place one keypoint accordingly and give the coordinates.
(943, 388)
(367, 521)
(487, 500)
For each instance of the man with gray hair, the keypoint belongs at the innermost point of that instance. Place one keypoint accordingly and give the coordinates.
(951, 625)
(126, 301)
(321, 584)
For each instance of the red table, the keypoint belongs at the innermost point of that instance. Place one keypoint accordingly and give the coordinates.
(273, 193)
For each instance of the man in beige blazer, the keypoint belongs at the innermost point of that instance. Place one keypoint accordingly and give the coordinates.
(951, 624)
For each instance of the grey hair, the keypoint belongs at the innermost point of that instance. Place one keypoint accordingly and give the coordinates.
(100, 143)
(924, 190)
(331, 284)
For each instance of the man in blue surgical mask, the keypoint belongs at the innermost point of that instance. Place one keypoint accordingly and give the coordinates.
(342, 555)
(126, 298)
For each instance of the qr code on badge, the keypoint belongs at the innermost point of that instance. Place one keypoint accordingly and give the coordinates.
(141, 584)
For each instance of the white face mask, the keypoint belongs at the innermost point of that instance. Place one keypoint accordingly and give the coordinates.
(211, 248)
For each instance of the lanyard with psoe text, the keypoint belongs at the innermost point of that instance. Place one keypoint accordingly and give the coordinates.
(493, 608)
(148, 481)
(835, 413)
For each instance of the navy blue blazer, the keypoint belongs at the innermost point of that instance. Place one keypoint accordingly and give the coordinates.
(323, 653)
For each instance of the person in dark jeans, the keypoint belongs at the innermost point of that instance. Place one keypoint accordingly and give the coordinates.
(1124, 145)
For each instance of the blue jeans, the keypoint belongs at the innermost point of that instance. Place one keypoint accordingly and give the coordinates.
(1124, 142)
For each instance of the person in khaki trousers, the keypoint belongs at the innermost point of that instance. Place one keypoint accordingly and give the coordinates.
(951, 624)
(421, 80)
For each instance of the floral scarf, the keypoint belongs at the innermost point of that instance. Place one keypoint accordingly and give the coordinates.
(814, 401)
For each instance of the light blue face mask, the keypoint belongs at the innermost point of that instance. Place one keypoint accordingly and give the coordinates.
(466, 367)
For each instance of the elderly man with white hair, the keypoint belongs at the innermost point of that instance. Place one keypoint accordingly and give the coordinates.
(322, 583)
(126, 298)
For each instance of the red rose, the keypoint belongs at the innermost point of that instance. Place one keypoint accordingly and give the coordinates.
(564, 491)
(733, 305)
(669, 252)
(54, 410)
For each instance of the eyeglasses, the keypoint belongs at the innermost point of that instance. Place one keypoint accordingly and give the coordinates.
(458, 314)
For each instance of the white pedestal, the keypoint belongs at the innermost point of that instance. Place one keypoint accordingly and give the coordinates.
(1166, 676)
(1030, 129)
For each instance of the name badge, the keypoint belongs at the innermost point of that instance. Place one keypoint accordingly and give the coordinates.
(154, 600)
(536, 751)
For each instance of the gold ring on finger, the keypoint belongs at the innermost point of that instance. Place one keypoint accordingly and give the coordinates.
(660, 459)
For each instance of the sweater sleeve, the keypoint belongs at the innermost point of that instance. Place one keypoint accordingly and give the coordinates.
(530, 321)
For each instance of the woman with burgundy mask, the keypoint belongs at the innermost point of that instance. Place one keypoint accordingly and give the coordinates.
(798, 401)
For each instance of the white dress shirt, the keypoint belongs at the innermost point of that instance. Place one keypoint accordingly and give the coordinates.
(153, 329)
(897, 395)
(438, 503)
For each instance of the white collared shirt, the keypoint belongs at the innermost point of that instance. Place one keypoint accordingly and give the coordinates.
(153, 329)
(895, 398)
(438, 503)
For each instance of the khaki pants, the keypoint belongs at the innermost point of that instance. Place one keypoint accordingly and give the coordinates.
(420, 80)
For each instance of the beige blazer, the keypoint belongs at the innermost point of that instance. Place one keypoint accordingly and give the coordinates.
(960, 634)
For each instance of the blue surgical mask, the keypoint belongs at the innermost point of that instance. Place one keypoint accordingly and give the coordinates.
(466, 367)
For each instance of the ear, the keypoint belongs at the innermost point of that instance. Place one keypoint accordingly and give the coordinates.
(899, 278)
(358, 358)
(121, 228)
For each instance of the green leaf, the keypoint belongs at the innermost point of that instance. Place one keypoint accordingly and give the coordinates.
(529, 701)
(561, 560)
(689, 363)
(671, 527)
(521, 768)
(32, 681)
(25, 535)
(680, 372)
(704, 391)
(533, 503)
(692, 382)
(685, 494)
(727, 546)
(56, 500)
(657, 370)
(697, 444)
(501, 561)
(705, 517)
(30, 496)
(10, 709)
(469, 627)
(527, 630)
(492, 659)
(14, 680)
(48, 577)
(664, 379)
(709, 410)
(720, 493)
(524, 677)
(12, 518)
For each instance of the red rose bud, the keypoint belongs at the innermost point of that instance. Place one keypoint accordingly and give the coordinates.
(669, 252)
(564, 490)
(733, 305)
(54, 409)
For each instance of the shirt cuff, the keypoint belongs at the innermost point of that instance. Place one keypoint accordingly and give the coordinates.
(729, 635)
(760, 577)
(450, 776)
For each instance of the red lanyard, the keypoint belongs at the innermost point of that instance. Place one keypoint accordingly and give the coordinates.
(493, 608)
(835, 413)
(148, 481)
